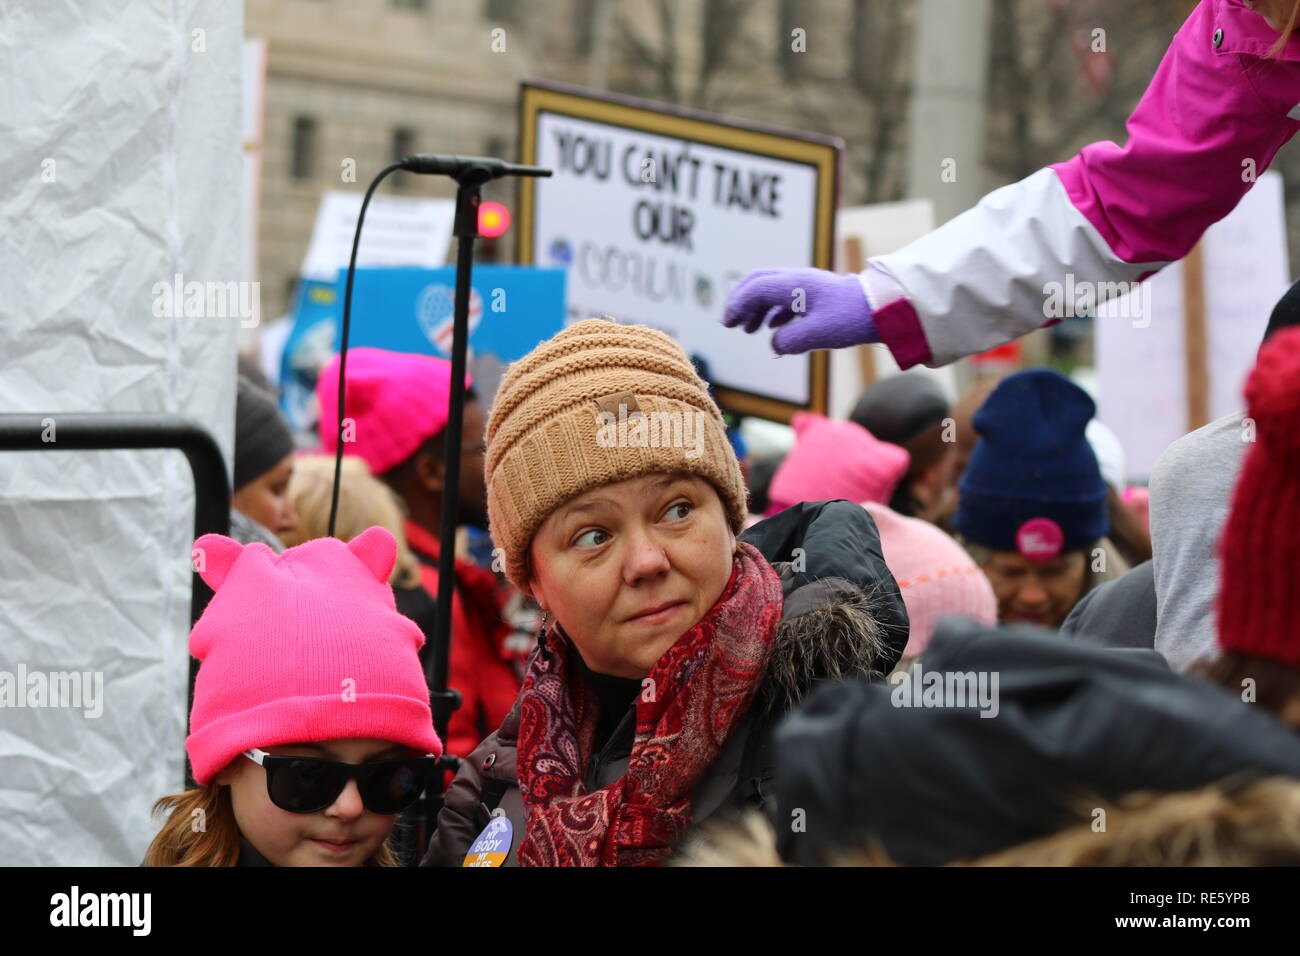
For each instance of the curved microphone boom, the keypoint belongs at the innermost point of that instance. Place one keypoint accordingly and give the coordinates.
(454, 166)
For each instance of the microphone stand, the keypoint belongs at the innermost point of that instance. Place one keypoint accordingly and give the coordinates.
(470, 174)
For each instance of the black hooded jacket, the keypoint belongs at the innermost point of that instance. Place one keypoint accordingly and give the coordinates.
(879, 766)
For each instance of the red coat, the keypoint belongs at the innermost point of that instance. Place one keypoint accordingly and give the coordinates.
(479, 665)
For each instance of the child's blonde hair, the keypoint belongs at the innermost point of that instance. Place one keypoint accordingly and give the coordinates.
(364, 501)
(200, 830)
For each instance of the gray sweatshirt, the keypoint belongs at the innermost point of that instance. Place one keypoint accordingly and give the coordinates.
(1191, 489)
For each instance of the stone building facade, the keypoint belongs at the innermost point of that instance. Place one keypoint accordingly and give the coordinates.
(368, 79)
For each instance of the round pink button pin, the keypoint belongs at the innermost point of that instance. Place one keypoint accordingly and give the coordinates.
(1040, 539)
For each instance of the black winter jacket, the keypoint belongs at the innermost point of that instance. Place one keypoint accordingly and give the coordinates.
(1066, 728)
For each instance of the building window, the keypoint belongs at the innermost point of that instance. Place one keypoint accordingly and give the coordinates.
(403, 146)
(584, 26)
(502, 11)
(792, 61)
(304, 147)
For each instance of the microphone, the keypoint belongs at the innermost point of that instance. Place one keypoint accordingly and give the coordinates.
(454, 166)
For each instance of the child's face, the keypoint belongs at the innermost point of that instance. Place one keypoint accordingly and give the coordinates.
(343, 834)
(266, 498)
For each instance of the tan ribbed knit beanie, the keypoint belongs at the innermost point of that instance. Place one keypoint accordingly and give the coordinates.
(595, 404)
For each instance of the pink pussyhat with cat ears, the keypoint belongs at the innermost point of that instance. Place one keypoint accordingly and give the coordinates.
(303, 647)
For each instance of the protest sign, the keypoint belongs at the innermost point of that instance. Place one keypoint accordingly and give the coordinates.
(656, 212)
(511, 310)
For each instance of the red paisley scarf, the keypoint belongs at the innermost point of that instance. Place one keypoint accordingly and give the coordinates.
(703, 685)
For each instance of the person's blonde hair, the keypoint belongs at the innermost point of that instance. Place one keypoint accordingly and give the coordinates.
(1217, 825)
(364, 501)
(200, 830)
(1286, 30)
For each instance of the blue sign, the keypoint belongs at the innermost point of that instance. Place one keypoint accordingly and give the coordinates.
(317, 315)
(511, 309)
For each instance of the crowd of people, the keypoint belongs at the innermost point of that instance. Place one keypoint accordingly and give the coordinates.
(928, 634)
(694, 674)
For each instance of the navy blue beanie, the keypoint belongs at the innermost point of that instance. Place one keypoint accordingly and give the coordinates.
(1032, 484)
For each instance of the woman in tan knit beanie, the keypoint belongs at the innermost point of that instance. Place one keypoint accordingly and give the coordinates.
(616, 501)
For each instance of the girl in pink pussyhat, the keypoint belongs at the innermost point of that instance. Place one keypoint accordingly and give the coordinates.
(311, 728)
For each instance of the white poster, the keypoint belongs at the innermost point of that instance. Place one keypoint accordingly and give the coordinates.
(399, 231)
(1247, 272)
(655, 230)
(1141, 364)
(879, 228)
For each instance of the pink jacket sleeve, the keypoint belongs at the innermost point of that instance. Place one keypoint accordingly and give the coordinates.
(1212, 119)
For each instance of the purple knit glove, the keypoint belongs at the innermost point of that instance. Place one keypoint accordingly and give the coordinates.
(832, 309)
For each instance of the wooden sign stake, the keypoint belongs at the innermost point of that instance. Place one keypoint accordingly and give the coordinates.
(1195, 345)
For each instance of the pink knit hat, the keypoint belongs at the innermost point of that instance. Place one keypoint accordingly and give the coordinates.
(934, 573)
(835, 459)
(302, 647)
(395, 399)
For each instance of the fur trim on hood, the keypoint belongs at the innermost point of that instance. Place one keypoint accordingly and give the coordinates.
(829, 631)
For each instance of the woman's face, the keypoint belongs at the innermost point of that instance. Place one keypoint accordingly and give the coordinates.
(343, 834)
(628, 567)
(1036, 592)
(266, 498)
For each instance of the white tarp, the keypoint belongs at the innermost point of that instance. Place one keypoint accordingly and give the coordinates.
(121, 128)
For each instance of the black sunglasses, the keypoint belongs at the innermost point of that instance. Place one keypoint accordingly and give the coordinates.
(310, 784)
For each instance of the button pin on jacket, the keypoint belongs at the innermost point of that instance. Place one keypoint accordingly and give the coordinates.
(492, 846)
